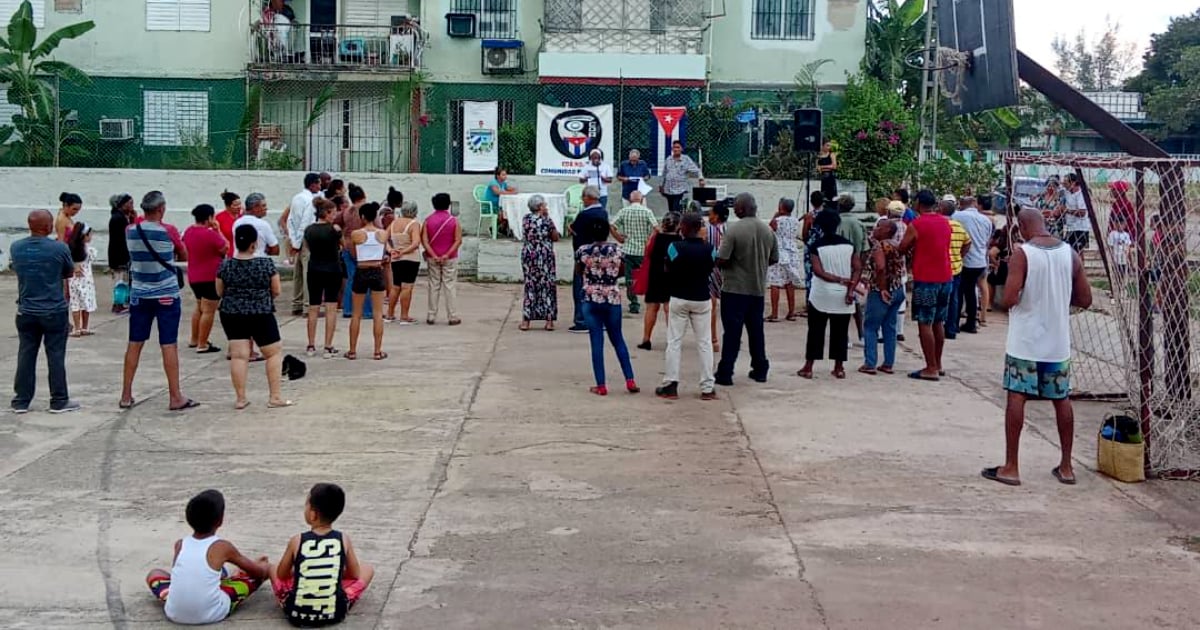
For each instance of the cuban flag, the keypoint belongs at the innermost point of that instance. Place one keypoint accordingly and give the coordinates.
(670, 124)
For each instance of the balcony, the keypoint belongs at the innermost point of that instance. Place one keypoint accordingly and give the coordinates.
(299, 48)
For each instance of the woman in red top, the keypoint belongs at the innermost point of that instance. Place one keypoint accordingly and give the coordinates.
(206, 248)
(233, 212)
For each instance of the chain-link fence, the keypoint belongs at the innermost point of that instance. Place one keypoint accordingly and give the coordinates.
(290, 121)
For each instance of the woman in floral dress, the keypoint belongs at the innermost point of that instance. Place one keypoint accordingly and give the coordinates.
(538, 265)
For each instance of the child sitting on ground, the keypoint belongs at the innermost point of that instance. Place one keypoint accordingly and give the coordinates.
(319, 577)
(197, 591)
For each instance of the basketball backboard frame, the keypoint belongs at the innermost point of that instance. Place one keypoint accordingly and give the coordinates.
(984, 31)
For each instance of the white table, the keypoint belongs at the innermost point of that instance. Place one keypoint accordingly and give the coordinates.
(515, 207)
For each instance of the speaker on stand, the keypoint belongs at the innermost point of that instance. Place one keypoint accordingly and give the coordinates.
(806, 138)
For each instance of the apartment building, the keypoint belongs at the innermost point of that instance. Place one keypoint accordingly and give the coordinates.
(377, 85)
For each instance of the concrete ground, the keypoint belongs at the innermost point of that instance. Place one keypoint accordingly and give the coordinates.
(492, 491)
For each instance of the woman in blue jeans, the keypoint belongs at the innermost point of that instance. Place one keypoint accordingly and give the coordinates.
(600, 264)
(884, 273)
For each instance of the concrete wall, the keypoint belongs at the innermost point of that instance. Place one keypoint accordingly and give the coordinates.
(839, 34)
(39, 188)
(120, 45)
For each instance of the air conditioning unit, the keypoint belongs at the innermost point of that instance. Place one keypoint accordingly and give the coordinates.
(503, 56)
(116, 129)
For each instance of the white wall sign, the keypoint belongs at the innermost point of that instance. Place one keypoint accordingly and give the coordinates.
(567, 135)
(481, 141)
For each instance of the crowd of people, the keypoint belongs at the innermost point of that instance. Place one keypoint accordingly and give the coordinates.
(347, 254)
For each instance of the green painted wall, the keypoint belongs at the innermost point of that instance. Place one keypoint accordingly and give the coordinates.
(109, 97)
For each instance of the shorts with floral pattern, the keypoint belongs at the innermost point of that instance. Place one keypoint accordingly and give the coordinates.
(1037, 379)
(931, 301)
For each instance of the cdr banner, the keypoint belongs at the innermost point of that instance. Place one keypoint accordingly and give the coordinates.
(481, 151)
(567, 135)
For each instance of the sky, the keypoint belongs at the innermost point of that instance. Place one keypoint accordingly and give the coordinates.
(1038, 21)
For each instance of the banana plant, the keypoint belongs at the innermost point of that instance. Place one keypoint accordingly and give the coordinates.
(26, 67)
(894, 32)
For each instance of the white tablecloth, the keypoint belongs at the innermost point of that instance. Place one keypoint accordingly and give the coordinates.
(515, 207)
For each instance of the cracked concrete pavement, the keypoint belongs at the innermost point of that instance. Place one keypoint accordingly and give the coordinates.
(490, 490)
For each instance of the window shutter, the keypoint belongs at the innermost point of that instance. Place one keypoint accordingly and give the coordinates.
(360, 12)
(9, 7)
(195, 15)
(162, 15)
(171, 119)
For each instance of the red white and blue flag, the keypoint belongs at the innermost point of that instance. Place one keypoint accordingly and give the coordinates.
(670, 124)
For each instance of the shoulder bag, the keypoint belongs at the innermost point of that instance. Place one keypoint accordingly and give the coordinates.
(154, 252)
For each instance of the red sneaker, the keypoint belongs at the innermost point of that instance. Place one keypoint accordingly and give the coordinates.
(599, 390)
(631, 386)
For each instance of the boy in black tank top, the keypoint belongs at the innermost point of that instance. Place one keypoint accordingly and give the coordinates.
(319, 577)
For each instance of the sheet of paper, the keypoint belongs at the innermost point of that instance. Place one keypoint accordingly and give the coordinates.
(644, 188)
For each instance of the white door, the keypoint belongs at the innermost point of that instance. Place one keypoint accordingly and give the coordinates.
(326, 138)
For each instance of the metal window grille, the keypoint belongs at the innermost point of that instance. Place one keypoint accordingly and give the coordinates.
(174, 119)
(564, 15)
(494, 19)
(68, 6)
(782, 19)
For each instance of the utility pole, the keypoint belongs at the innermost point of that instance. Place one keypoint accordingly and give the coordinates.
(930, 88)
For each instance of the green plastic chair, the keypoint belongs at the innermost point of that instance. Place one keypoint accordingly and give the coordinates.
(574, 195)
(487, 211)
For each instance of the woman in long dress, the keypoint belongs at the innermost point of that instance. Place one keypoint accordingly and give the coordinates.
(538, 265)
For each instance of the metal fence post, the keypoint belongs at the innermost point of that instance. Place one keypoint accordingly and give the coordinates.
(57, 118)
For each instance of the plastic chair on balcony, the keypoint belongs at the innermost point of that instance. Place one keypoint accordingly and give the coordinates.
(487, 212)
(574, 194)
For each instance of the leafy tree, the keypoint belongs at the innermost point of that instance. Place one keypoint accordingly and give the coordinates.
(1095, 66)
(1171, 76)
(25, 66)
(876, 135)
(895, 31)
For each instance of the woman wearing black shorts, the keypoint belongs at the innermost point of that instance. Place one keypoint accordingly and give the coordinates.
(405, 234)
(369, 249)
(324, 275)
(248, 287)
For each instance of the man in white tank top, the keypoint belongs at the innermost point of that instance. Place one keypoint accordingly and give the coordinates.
(1045, 279)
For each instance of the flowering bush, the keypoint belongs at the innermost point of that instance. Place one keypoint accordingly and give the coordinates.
(876, 134)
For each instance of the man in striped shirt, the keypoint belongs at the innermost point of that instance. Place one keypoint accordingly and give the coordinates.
(960, 244)
(154, 297)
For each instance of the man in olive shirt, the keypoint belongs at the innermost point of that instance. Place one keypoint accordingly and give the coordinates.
(747, 249)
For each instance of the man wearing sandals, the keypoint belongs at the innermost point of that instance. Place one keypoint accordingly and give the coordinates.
(1045, 279)
(927, 242)
(154, 297)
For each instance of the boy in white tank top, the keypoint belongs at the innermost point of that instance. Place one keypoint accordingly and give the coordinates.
(1045, 279)
(197, 590)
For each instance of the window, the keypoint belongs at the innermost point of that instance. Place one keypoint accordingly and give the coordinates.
(7, 111)
(494, 19)
(178, 15)
(782, 19)
(564, 16)
(68, 6)
(677, 13)
(9, 7)
(372, 12)
(174, 119)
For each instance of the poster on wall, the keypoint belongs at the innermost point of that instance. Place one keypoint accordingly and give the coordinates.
(480, 146)
(567, 134)
(669, 125)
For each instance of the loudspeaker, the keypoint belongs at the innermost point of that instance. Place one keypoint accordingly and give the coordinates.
(806, 130)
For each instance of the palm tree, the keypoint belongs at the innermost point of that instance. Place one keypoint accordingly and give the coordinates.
(25, 66)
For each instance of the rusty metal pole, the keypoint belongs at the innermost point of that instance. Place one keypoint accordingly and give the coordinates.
(1145, 349)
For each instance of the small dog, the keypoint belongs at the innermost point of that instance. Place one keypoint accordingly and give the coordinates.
(294, 368)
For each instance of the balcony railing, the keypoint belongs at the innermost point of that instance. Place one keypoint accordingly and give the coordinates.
(282, 47)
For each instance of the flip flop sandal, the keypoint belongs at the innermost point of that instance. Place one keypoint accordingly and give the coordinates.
(350, 356)
(805, 374)
(772, 320)
(550, 327)
(280, 405)
(379, 356)
(866, 370)
(86, 333)
(193, 345)
(792, 317)
(256, 358)
(916, 375)
(209, 350)
(993, 474)
(1061, 479)
(242, 405)
(524, 326)
(839, 374)
(127, 404)
(76, 333)
(455, 322)
(190, 404)
(886, 369)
